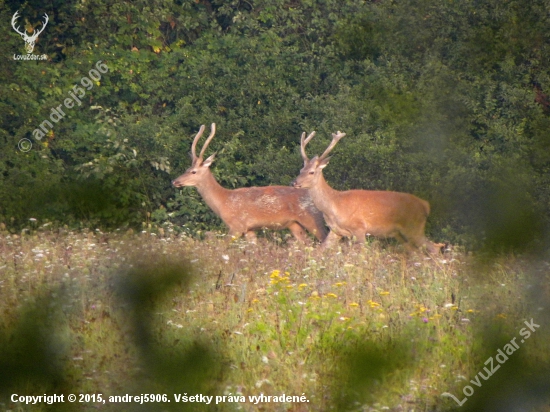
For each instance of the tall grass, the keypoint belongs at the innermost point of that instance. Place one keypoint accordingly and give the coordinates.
(355, 328)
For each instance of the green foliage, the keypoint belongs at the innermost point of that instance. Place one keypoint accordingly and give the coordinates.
(437, 98)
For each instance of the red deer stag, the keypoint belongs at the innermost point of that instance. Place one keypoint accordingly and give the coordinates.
(356, 213)
(248, 209)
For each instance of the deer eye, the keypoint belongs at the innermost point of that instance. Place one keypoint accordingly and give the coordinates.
(312, 173)
(194, 172)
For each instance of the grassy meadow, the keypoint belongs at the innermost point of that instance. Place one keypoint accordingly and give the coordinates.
(366, 329)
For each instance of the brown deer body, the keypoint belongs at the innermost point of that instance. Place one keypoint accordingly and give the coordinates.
(356, 213)
(246, 210)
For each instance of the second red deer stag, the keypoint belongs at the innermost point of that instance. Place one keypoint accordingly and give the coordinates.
(356, 213)
(248, 209)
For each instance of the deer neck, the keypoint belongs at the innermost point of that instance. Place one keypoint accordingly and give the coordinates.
(213, 193)
(322, 195)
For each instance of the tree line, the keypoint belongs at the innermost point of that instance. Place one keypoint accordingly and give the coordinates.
(446, 100)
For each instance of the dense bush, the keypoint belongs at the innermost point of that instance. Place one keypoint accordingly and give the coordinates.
(447, 100)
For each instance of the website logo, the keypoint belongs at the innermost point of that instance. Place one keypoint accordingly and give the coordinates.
(29, 40)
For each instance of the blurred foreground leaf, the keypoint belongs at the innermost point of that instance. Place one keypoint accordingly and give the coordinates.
(184, 367)
(34, 351)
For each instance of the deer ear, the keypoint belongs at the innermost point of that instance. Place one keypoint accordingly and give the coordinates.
(209, 160)
(323, 163)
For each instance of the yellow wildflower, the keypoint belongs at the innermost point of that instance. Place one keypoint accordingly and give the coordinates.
(314, 294)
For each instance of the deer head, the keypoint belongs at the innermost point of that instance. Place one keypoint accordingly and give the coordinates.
(29, 40)
(199, 167)
(312, 170)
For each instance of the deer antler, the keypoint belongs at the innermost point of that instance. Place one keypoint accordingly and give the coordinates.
(303, 142)
(194, 145)
(212, 133)
(196, 139)
(335, 139)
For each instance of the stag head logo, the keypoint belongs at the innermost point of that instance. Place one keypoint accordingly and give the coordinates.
(29, 40)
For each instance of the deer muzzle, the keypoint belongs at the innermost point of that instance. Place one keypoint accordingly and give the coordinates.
(177, 183)
(295, 184)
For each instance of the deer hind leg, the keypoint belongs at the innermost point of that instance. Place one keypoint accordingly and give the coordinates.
(297, 231)
(359, 238)
(435, 248)
(314, 224)
(409, 244)
(420, 242)
(423, 243)
(331, 240)
(236, 234)
(250, 236)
